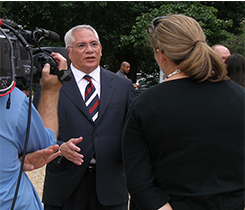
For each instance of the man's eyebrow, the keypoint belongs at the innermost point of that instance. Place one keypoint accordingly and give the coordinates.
(81, 43)
(89, 42)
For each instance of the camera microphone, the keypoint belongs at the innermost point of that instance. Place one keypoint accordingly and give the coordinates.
(47, 34)
(50, 35)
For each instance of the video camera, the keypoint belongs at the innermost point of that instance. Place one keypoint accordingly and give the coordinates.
(21, 57)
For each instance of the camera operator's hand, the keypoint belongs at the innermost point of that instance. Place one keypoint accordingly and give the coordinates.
(39, 158)
(49, 82)
(62, 62)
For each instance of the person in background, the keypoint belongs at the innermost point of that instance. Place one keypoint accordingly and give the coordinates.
(42, 137)
(236, 68)
(186, 151)
(89, 175)
(222, 51)
(124, 70)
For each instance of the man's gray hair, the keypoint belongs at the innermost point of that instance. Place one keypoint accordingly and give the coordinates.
(69, 39)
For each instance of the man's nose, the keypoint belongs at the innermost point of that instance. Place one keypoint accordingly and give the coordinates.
(89, 48)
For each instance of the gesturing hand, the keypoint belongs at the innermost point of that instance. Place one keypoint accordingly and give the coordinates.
(71, 152)
(39, 158)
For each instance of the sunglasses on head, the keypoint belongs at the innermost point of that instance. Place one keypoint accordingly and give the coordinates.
(154, 24)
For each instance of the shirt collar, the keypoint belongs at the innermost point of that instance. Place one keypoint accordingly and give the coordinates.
(122, 73)
(95, 74)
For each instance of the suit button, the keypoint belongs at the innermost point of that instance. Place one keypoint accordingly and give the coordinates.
(95, 136)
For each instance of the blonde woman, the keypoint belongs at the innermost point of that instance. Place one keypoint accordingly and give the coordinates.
(183, 140)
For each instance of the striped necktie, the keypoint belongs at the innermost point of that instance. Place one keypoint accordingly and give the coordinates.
(91, 98)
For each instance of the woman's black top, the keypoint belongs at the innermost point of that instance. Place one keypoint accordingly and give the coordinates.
(183, 143)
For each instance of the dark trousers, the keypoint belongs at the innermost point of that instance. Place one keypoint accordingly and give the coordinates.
(85, 197)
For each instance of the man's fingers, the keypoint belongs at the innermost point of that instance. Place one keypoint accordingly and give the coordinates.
(53, 156)
(54, 148)
(46, 69)
(46, 151)
(28, 167)
(71, 152)
(78, 140)
(62, 62)
(71, 144)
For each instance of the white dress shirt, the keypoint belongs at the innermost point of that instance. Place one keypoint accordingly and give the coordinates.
(82, 83)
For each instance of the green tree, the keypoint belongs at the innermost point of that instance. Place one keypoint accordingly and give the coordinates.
(110, 19)
(236, 43)
(235, 35)
(206, 16)
(123, 26)
(234, 10)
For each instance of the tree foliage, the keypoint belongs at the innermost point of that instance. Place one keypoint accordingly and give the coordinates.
(235, 43)
(234, 10)
(123, 26)
(206, 17)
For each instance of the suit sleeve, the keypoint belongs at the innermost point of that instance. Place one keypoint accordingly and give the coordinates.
(131, 96)
(138, 165)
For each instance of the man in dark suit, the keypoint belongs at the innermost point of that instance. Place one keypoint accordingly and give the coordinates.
(89, 173)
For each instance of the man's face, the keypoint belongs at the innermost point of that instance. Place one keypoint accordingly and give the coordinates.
(85, 59)
(126, 68)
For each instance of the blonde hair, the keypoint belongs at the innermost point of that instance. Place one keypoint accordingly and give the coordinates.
(182, 39)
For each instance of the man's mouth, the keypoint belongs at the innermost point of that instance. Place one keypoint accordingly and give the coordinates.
(90, 58)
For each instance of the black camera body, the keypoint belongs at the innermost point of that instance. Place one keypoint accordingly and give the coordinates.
(14, 54)
(43, 56)
(21, 58)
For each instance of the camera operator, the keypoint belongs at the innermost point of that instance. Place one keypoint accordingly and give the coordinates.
(43, 133)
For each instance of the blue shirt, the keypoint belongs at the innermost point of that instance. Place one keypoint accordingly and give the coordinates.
(13, 126)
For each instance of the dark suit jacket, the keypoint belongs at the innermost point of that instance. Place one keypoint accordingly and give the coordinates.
(102, 137)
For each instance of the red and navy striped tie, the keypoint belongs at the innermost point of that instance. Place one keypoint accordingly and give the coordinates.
(91, 99)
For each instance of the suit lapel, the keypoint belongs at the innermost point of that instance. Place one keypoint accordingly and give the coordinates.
(71, 90)
(107, 89)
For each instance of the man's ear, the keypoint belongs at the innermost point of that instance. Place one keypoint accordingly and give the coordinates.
(100, 50)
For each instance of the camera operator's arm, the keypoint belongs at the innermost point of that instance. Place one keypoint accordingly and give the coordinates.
(48, 103)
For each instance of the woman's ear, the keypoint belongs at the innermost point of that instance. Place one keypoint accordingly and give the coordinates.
(163, 57)
(157, 50)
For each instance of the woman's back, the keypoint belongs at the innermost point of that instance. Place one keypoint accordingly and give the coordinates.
(198, 155)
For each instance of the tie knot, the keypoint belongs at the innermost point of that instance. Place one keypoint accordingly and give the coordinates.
(87, 77)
